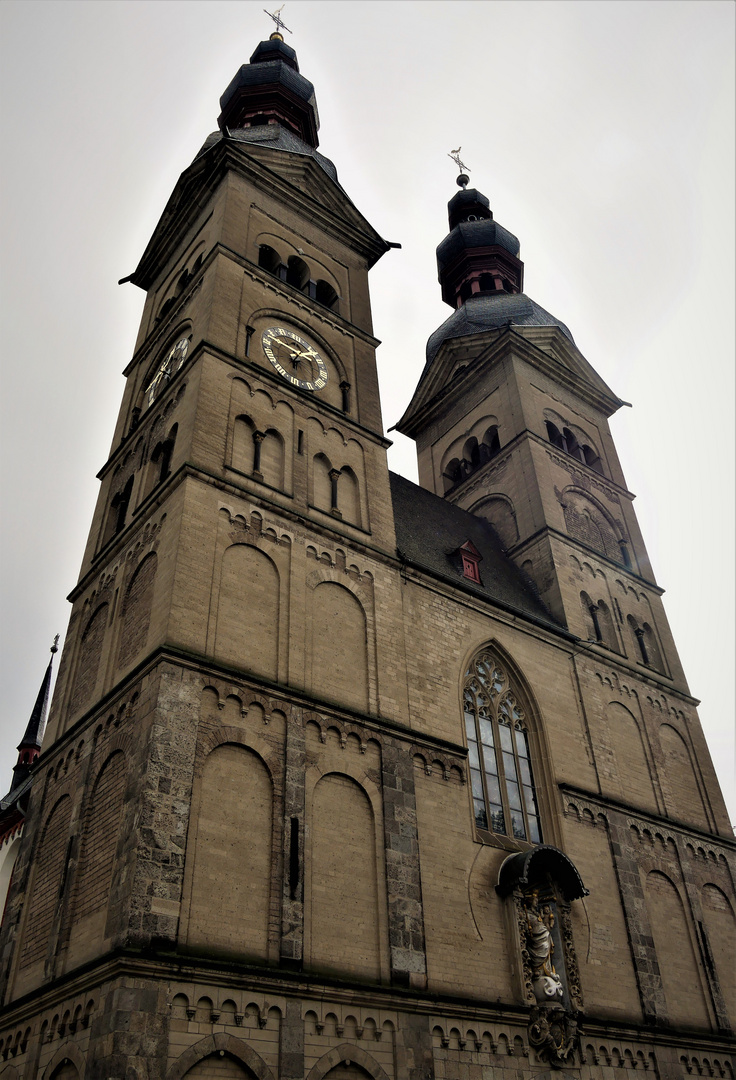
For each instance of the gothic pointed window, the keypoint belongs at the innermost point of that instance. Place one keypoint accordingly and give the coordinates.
(502, 784)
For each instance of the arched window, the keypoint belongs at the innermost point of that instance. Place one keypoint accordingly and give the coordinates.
(502, 784)
(554, 435)
(645, 643)
(270, 454)
(323, 489)
(471, 452)
(184, 279)
(453, 473)
(123, 501)
(590, 618)
(565, 440)
(487, 284)
(605, 623)
(591, 459)
(269, 259)
(243, 444)
(349, 495)
(161, 459)
(325, 294)
(118, 511)
(572, 445)
(166, 307)
(491, 443)
(637, 636)
(655, 658)
(297, 273)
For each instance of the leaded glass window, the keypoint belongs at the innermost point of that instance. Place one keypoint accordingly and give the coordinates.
(501, 778)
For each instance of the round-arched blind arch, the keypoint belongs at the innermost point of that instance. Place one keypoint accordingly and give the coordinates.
(502, 783)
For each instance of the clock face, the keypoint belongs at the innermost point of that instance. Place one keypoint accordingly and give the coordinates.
(294, 358)
(169, 366)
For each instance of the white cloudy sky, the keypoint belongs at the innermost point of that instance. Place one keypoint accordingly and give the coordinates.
(603, 134)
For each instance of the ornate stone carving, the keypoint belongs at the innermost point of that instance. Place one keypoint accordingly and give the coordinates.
(553, 1034)
(568, 948)
(543, 882)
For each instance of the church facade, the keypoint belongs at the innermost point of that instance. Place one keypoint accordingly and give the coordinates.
(344, 776)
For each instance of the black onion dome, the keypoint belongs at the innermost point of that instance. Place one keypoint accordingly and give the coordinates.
(480, 313)
(270, 90)
(274, 49)
(475, 234)
(468, 205)
(266, 73)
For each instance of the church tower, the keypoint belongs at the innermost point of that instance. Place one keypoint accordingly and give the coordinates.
(346, 777)
(511, 423)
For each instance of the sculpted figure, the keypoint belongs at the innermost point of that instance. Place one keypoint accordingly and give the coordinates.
(546, 983)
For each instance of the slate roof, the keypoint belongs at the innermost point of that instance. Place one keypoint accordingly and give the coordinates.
(33, 735)
(265, 73)
(14, 796)
(275, 137)
(429, 530)
(481, 313)
(472, 234)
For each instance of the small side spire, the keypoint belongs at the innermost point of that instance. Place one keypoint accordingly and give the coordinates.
(30, 745)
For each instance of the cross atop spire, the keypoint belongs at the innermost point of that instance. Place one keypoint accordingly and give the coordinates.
(276, 16)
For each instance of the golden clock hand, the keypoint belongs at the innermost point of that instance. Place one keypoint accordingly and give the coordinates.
(289, 349)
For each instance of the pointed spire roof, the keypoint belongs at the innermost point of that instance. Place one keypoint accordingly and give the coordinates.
(34, 731)
(28, 750)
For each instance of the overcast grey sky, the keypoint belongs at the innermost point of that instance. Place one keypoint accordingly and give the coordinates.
(603, 134)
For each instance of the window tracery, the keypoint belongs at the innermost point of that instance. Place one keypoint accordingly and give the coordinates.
(502, 783)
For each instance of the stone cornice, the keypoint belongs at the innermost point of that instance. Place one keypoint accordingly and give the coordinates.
(279, 982)
(605, 803)
(277, 692)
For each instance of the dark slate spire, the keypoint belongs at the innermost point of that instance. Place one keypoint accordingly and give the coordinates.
(30, 745)
(270, 90)
(478, 257)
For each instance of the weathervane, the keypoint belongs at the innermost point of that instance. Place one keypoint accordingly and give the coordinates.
(276, 16)
(463, 179)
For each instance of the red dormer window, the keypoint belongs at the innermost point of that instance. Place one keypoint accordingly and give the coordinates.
(470, 557)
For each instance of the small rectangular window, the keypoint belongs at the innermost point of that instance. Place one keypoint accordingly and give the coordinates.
(470, 569)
